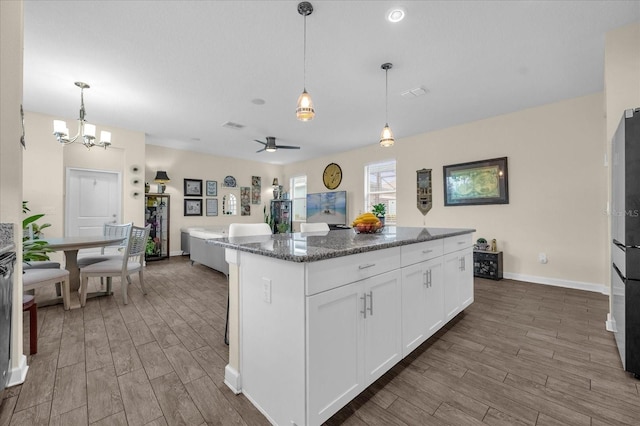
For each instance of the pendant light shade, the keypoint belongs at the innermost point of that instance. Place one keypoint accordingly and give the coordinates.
(386, 137)
(304, 110)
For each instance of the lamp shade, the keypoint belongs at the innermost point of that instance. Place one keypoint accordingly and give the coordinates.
(305, 111)
(275, 182)
(386, 137)
(161, 177)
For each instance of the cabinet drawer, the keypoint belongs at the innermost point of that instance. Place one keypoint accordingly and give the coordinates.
(415, 253)
(456, 243)
(331, 273)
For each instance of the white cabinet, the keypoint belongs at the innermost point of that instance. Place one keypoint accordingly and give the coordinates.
(458, 281)
(422, 303)
(353, 338)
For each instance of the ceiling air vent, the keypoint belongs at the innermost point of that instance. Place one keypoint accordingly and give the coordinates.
(414, 93)
(232, 125)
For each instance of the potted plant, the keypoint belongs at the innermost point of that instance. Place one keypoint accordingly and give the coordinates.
(33, 248)
(380, 211)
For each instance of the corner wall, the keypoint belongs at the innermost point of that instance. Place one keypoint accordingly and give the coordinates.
(45, 163)
(181, 165)
(557, 187)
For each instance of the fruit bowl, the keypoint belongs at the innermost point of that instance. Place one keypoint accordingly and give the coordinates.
(366, 228)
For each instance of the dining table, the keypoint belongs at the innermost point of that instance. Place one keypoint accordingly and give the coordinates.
(70, 246)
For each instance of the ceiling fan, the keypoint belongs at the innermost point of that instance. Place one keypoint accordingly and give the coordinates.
(270, 145)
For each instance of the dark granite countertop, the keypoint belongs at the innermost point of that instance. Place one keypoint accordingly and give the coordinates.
(314, 246)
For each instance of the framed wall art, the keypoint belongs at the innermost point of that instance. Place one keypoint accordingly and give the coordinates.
(476, 182)
(193, 187)
(256, 189)
(192, 207)
(212, 188)
(212, 207)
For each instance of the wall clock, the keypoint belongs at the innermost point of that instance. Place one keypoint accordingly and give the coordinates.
(332, 176)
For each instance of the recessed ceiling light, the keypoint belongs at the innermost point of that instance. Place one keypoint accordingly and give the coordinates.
(258, 101)
(396, 14)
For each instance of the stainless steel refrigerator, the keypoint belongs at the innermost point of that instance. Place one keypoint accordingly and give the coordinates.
(625, 247)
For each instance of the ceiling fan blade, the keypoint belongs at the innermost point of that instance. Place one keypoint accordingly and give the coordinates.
(263, 143)
(287, 147)
(263, 149)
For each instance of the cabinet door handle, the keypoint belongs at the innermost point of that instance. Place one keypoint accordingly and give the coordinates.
(426, 251)
(464, 264)
(364, 298)
(430, 283)
(370, 302)
(425, 281)
(460, 242)
(367, 265)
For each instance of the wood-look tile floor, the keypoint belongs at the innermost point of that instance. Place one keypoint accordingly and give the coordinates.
(522, 354)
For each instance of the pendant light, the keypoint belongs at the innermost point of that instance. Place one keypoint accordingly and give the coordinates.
(305, 111)
(386, 137)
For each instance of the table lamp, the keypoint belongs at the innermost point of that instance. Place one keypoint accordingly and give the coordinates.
(161, 179)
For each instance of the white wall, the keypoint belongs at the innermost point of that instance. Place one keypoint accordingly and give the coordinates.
(557, 186)
(45, 163)
(181, 165)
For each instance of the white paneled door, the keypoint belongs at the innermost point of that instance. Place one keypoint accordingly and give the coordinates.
(93, 199)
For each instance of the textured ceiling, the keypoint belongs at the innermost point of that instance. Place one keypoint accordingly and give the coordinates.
(177, 70)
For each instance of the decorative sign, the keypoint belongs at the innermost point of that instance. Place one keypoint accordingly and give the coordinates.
(256, 188)
(245, 201)
(424, 194)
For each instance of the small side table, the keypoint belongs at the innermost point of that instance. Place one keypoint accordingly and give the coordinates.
(487, 264)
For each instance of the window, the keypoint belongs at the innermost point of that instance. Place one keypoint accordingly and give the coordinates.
(380, 187)
(298, 185)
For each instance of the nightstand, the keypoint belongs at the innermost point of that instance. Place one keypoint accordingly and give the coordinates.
(487, 264)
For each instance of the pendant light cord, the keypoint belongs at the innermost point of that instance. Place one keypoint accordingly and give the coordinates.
(386, 96)
(304, 55)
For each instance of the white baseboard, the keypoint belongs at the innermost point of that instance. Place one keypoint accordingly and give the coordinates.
(176, 253)
(18, 375)
(232, 379)
(557, 282)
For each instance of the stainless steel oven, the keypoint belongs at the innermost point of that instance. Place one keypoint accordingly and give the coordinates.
(7, 261)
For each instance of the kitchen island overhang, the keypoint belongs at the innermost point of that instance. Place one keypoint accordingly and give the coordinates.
(294, 296)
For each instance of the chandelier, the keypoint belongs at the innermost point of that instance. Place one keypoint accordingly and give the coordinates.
(85, 130)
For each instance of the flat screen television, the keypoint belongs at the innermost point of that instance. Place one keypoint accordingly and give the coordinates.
(327, 207)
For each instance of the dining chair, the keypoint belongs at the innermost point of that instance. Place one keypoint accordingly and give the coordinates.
(109, 252)
(314, 227)
(37, 277)
(33, 279)
(243, 230)
(131, 262)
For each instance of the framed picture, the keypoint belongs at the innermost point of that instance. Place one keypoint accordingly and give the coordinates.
(193, 187)
(193, 207)
(212, 207)
(256, 189)
(477, 182)
(212, 188)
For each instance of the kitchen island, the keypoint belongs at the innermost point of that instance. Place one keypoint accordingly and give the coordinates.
(315, 318)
